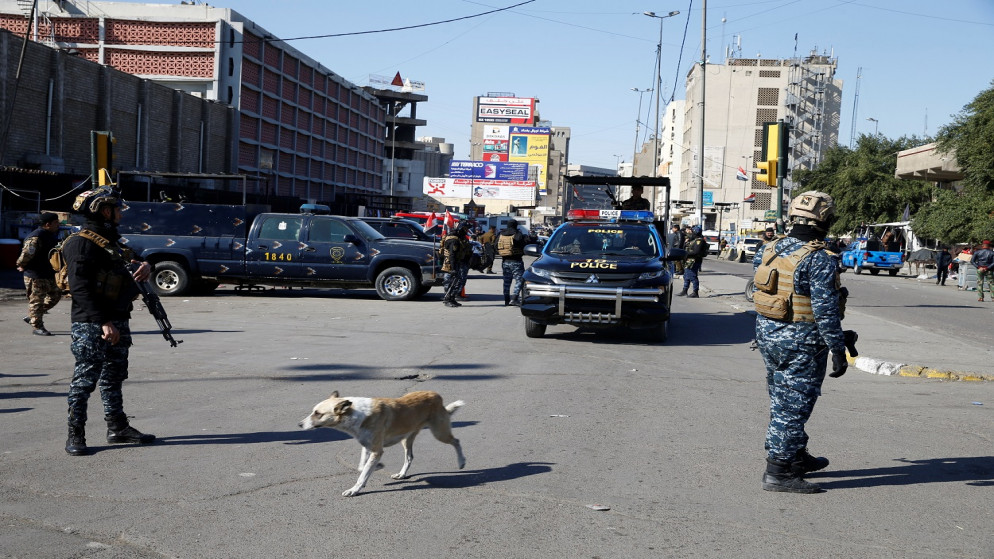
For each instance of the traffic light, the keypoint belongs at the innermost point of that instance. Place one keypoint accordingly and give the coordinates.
(770, 154)
(101, 157)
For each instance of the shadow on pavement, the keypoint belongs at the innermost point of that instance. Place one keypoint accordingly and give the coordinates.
(974, 470)
(471, 478)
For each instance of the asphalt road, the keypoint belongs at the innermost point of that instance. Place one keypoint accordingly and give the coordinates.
(668, 438)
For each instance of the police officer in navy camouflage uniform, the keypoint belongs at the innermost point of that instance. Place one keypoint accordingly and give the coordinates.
(697, 249)
(796, 352)
(102, 295)
(511, 248)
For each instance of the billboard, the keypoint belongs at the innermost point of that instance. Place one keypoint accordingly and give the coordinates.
(530, 145)
(511, 110)
(483, 189)
(494, 170)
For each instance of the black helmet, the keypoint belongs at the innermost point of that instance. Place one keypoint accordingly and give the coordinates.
(512, 223)
(89, 202)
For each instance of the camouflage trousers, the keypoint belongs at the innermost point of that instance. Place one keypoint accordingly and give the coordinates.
(454, 282)
(42, 296)
(514, 270)
(794, 374)
(98, 363)
(690, 276)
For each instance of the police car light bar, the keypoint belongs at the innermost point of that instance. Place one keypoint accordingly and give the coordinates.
(615, 215)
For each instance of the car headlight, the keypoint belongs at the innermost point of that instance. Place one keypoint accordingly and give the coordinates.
(650, 275)
(542, 273)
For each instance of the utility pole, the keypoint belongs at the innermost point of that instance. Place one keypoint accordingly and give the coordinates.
(704, 73)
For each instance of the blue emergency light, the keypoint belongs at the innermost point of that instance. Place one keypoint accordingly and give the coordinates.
(609, 215)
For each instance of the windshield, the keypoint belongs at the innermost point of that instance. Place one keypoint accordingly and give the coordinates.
(603, 239)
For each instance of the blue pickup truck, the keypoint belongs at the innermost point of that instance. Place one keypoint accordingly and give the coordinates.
(873, 255)
(196, 247)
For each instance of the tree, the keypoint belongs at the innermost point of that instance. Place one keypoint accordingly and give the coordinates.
(862, 182)
(967, 215)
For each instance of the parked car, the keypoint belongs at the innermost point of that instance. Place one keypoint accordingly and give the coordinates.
(398, 228)
(746, 248)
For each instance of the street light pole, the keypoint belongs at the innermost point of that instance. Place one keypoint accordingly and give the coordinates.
(658, 87)
(875, 123)
(638, 116)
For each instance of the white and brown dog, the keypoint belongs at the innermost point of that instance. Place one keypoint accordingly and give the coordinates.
(381, 422)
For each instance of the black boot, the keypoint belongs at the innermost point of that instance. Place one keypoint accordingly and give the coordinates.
(76, 443)
(692, 295)
(682, 293)
(810, 463)
(507, 299)
(120, 432)
(787, 477)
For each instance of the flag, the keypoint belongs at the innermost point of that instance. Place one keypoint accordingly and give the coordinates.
(576, 194)
(397, 80)
(432, 221)
(448, 222)
(750, 198)
(906, 216)
(741, 175)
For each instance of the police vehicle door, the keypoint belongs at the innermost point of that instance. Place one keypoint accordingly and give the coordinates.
(276, 248)
(327, 254)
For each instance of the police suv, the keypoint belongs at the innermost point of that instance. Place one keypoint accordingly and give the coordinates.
(601, 268)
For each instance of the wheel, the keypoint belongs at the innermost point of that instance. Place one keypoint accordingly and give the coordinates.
(397, 284)
(660, 332)
(857, 270)
(534, 329)
(170, 279)
(423, 290)
(893, 271)
(748, 290)
(874, 271)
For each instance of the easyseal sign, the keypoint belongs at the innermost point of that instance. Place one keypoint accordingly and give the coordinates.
(512, 110)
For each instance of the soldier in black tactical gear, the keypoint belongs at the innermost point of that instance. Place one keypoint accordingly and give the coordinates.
(456, 254)
(102, 294)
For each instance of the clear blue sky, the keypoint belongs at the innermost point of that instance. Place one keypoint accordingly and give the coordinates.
(921, 60)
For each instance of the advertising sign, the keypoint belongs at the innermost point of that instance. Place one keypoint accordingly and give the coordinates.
(495, 156)
(488, 170)
(530, 145)
(482, 189)
(496, 132)
(513, 110)
(499, 146)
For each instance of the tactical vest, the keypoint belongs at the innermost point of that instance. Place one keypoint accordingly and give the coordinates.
(775, 296)
(506, 246)
(451, 259)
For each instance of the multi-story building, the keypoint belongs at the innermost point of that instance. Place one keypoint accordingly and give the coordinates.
(742, 95)
(301, 128)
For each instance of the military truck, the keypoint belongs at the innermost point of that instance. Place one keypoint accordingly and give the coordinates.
(196, 247)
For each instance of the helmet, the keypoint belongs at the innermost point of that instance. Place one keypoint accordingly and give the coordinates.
(696, 229)
(89, 202)
(512, 223)
(812, 206)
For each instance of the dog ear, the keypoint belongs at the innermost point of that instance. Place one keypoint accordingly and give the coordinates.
(334, 394)
(343, 407)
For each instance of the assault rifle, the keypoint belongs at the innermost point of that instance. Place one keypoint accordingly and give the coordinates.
(154, 306)
(610, 194)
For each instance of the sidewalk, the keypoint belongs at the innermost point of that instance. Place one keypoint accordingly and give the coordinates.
(885, 347)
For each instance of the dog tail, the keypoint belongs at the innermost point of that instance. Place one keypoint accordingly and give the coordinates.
(451, 408)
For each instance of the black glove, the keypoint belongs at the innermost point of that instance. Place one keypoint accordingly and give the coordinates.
(839, 364)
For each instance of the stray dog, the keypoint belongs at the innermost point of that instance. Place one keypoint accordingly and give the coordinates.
(380, 422)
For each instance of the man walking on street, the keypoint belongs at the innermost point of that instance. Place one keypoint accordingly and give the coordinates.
(942, 261)
(39, 277)
(983, 259)
(489, 241)
(456, 254)
(676, 240)
(511, 248)
(102, 292)
(799, 314)
(697, 249)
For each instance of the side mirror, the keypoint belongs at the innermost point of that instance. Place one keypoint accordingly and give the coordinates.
(531, 250)
(352, 239)
(676, 254)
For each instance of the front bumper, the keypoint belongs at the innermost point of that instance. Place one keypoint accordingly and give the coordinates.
(595, 305)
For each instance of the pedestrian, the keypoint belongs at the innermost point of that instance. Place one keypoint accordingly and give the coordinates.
(456, 255)
(697, 249)
(511, 248)
(983, 260)
(489, 240)
(794, 342)
(636, 201)
(942, 261)
(676, 239)
(39, 276)
(769, 234)
(102, 289)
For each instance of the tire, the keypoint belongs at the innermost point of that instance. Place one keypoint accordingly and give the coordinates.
(397, 284)
(874, 271)
(170, 279)
(893, 271)
(534, 329)
(748, 290)
(660, 332)
(857, 270)
(424, 290)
